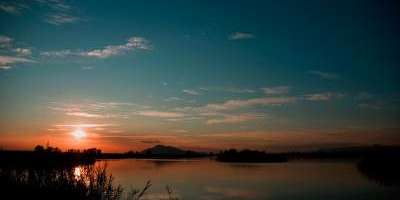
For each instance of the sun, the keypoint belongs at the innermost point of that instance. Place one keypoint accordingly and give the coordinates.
(79, 134)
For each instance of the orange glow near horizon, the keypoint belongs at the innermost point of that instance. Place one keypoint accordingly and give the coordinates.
(83, 137)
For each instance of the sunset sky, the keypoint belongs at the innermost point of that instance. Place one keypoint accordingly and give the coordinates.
(202, 75)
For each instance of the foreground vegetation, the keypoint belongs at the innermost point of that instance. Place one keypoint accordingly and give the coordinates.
(382, 167)
(47, 173)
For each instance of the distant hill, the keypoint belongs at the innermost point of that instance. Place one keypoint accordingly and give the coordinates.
(158, 151)
(164, 150)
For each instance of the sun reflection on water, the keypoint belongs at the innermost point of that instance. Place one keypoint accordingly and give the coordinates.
(78, 173)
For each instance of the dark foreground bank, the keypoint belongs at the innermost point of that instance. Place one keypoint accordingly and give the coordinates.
(48, 173)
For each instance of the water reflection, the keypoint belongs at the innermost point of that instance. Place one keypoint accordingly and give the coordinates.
(205, 179)
(78, 172)
(226, 192)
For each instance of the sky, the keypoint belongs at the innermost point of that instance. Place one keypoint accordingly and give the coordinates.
(200, 75)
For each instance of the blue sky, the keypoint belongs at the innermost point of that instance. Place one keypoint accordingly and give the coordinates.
(201, 75)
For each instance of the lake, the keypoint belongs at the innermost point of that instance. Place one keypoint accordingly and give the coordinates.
(207, 179)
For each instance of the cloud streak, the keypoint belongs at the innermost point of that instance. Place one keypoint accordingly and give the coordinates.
(233, 119)
(23, 51)
(235, 104)
(60, 12)
(82, 125)
(228, 89)
(111, 50)
(191, 92)
(84, 114)
(133, 43)
(7, 62)
(372, 106)
(161, 114)
(60, 19)
(93, 109)
(324, 75)
(173, 99)
(277, 90)
(5, 40)
(240, 36)
(323, 96)
(14, 55)
(12, 8)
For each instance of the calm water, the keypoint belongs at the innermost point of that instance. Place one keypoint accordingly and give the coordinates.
(207, 179)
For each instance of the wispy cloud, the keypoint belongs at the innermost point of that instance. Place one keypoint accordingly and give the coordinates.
(12, 7)
(235, 104)
(5, 67)
(191, 92)
(173, 99)
(92, 127)
(60, 19)
(60, 53)
(87, 67)
(84, 114)
(324, 75)
(96, 109)
(277, 90)
(180, 131)
(221, 113)
(6, 44)
(133, 43)
(160, 114)
(9, 8)
(372, 106)
(58, 5)
(7, 62)
(233, 119)
(83, 125)
(369, 101)
(326, 96)
(14, 55)
(60, 12)
(23, 51)
(228, 89)
(364, 96)
(5, 41)
(240, 36)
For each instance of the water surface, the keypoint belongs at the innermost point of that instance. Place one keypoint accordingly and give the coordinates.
(208, 179)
